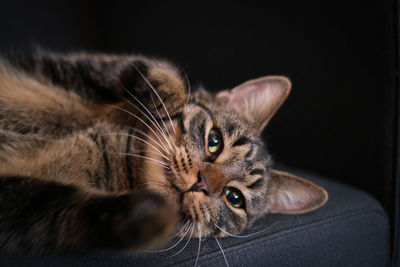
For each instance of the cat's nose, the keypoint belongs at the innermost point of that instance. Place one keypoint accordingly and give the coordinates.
(201, 184)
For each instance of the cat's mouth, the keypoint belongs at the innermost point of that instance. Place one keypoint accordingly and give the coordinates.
(192, 191)
(194, 204)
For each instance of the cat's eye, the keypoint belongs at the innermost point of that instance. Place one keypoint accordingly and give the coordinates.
(214, 143)
(234, 197)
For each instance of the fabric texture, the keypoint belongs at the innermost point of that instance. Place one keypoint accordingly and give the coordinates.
(350, 230)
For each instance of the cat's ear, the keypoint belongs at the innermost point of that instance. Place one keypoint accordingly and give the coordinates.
(289, 194)
(258, 100)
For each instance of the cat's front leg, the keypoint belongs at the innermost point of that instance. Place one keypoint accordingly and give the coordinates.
(136, 220)
(40, 216)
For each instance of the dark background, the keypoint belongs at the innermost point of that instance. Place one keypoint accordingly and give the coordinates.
(339, 118)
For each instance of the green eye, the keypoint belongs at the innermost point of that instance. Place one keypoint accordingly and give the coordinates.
(214, 141)
(234, 197)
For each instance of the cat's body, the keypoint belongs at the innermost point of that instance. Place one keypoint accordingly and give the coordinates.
(111, 152)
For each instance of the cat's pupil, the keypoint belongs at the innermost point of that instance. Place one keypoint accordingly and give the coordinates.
(234, 197)
(214, 141)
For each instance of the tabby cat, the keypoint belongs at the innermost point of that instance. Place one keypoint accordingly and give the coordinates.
(113, 152)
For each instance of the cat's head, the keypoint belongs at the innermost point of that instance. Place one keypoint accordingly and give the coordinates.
(215, 168)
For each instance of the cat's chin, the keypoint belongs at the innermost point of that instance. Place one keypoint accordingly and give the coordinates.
(195, 208)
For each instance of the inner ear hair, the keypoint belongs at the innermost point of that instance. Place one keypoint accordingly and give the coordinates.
(259, 99)
(290, 194)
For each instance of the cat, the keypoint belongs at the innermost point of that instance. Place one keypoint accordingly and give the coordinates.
(116, 152)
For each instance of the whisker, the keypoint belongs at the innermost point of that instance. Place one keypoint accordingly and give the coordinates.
(147, 151)
(181, 230)
(151, 138)
(187, 242)
(223, 254)
(144, 157)
(154, 121)
(165, 126)
(163, 250)
(154, 90)
(198, 250)
(150, 183)
(244, 236)
(298, 218)
(130, 113)
(189, 87)
(141, 139)
(140, 103)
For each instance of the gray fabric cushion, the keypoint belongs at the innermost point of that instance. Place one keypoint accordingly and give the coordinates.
(350, 230)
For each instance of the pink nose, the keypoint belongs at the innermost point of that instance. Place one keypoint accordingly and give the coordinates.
(201, 184)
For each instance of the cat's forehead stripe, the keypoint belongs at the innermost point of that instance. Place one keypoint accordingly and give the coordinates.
(240, 141)
(198, 128)
(181, 119)
(204, 107)
(230, 128)
(257, 184)
(257, 172)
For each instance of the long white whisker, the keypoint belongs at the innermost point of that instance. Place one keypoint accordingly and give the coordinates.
(162, 250)
(150, 183)
(144, 157)
(142, 112)
(223, 254)
(152, 139)
(181, 230)
(140, 103)
(252, 234)
(144, 141)
(187, 242)
(154, 90)
(165, 126)
(147, 151)
(151, 129)
(198, 250)
(154, 121)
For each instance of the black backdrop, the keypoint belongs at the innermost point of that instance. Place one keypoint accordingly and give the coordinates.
(338, 120)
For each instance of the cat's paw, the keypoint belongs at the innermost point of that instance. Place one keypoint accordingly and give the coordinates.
(141, 220)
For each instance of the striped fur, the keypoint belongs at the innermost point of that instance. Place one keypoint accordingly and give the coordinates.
(99, 151)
